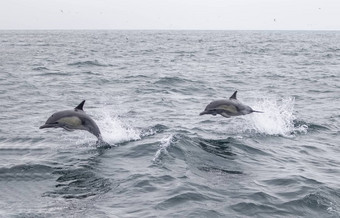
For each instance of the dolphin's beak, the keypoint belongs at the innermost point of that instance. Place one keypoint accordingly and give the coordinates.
(47, 126)
(204, 112)
(43, 126)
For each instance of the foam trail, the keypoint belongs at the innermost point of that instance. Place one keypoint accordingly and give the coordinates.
(165, 143)
(277, 119)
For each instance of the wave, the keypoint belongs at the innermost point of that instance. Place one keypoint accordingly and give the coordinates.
(170, 80)
(55, 73)
(21, 145)
(312, 127)
(23, 139)
(251, 209)
(184, 198)
(26, 172)
(79, 183)
(198, 153)
(95, 63)
(76, 174)
(219, 148)
(219, 170)
(164, 144)
(40, 68)
(153, 130)
(322, 203)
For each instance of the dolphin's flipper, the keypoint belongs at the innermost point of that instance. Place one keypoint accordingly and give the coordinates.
(225, 115)
(80, 106)
(67, 129)
(233, 96)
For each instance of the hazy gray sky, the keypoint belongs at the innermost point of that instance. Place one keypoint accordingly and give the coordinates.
(171, 14)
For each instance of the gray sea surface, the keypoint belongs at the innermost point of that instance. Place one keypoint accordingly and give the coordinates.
(145, 90)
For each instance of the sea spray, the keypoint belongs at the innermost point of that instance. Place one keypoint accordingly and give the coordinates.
(114, 130)
(164, 144)
(278, 118)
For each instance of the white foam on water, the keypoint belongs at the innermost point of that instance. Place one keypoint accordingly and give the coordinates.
(164, 144)
(277, 117)
(114, 130)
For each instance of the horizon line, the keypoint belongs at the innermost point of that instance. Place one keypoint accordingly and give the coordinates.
(84, 29)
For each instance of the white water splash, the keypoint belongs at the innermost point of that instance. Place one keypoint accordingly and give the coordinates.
(165, 143)
(277, 118)
(115, 130)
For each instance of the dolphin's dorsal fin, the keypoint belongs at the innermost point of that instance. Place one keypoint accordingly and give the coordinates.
(80, 106)
(233, 96)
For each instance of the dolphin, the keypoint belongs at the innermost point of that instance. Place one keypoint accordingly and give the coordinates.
(228, 108)
(75, 119)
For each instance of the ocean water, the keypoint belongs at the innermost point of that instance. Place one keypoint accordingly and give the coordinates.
(145, 90)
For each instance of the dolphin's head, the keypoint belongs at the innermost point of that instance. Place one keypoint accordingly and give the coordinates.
(212, 108)
(62, 119)
(207, 110)
(52, 121)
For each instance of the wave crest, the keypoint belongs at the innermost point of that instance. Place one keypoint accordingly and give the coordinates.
(164, 144)
(88, 63)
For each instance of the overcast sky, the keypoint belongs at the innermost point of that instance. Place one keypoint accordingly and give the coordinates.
(171, 14)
